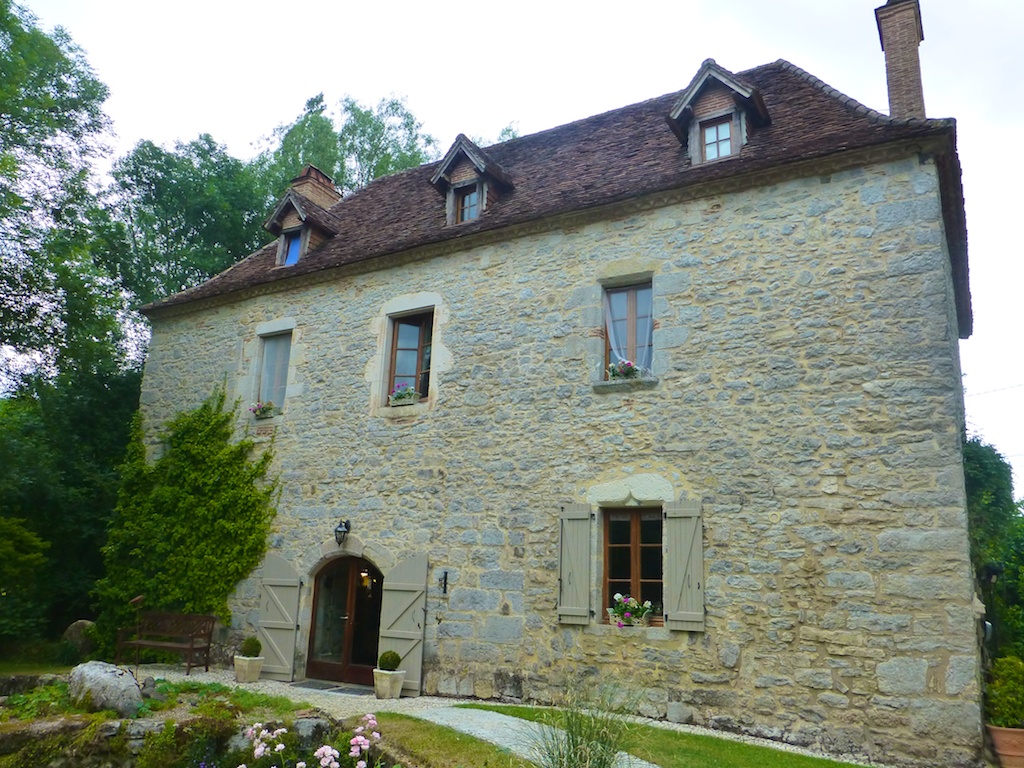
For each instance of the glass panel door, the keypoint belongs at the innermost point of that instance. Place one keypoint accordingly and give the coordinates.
(346, 622)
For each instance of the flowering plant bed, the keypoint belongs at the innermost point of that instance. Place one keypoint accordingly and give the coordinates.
(403, 394)
(624, 369)
(627, 611)
(262, 410)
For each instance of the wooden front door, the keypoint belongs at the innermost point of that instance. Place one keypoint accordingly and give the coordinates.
(346, 622)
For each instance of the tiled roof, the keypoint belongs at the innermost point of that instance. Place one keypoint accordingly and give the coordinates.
(599, 160)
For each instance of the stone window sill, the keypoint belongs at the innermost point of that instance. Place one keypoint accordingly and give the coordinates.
(625, 385)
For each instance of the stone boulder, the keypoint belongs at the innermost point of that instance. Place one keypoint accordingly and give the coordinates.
(97, 685)
(80, 635)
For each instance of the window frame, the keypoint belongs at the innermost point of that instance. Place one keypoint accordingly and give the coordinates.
(424, 348)
(299, 235)
(716, 123)
(632, 320)
(467, 211)
(636, 546)
(282, 368)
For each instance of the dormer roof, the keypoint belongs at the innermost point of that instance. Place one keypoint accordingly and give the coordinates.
(484, 164)
(307, 211)
(746, 95)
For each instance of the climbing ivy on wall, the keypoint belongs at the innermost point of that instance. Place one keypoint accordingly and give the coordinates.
(189, 525)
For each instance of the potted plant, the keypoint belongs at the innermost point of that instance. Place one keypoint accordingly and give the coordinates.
(387, 677)
(262, 410)
(627, 611)
(248, 662)
(624, 369)
(1004, 707)
(403, 394)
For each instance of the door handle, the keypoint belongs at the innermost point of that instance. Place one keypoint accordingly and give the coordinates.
(344, 617)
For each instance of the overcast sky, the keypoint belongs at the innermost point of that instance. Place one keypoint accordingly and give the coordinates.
(238, 68)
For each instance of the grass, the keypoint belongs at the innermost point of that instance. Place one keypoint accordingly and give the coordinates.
(411, 741)
(674, 749)
(18, 667)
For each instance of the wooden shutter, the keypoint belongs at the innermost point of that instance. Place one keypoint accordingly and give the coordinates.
(574, 564)
(403, 618)
(279, 608)
(684, 566)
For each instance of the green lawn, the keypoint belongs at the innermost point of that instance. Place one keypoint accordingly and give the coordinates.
(673, 749)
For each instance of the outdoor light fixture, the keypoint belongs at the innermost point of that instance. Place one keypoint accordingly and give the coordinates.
(341, 531)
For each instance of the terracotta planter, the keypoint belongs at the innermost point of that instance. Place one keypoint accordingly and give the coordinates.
(388, 685)
(1009, 745)
(248, 668)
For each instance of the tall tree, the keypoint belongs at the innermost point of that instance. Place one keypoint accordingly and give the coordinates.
(186, 214)
(380, 141)
(354, 147)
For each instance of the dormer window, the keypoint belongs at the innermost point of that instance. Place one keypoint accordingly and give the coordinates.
(717, 138)
(293, 244)
(468, 203)
(714, 115)
(470, 181)
(292, 247)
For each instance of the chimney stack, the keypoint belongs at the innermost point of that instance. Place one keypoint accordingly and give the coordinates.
(317, 186)
(900, 30)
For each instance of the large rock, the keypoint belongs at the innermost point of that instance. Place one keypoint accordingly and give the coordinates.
(80, 636)
(97, 685)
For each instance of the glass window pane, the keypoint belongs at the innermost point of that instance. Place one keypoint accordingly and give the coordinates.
(710, 134)
(723, 131)
(653, 591)
(712, 151)
(622, 587)
(650, 563)
(618, 563)
(618, 532)
(407, 362)
(725, 148)
(618, 302)
(274, 376)
(292, 244)
(408, 335)
(643, 302)
(650, 531)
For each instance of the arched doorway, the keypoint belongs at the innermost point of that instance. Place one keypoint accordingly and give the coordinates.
(346, 621)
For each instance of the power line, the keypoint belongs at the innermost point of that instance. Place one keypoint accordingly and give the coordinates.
(991, 391)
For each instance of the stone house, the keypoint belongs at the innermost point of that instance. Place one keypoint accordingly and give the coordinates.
(787, 271)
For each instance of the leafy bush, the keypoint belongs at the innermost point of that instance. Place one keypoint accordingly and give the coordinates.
(250, 646)
(389, 661)
(1004, 702)
(190, 525)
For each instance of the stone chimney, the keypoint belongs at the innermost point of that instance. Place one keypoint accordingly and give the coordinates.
(317, 186)
(900, 30)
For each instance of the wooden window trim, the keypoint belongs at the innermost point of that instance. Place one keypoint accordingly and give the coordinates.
(635, 547)
(426, 325)
(463, 194)
(631, 323)
(727, 120)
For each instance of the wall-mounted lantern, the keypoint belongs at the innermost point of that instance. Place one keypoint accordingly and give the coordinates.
(341, 531)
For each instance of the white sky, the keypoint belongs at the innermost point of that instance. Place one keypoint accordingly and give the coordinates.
(238, 68)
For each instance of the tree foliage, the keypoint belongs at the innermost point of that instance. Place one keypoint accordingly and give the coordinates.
(997, 542)
(355, 147)
(189, 525)
(183, 214)
(21, 568)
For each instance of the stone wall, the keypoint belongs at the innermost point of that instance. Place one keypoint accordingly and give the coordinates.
(808, 392)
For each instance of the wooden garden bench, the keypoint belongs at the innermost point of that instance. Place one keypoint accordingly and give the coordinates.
(187, 634)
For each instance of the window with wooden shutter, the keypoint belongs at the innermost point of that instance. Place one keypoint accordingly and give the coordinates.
(633, 556)
(574, 564)
(684, 566)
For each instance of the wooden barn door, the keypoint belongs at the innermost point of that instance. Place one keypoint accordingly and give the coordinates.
(279, 610)
(403, 618)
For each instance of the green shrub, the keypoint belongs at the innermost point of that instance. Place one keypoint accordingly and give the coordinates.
(587, 731)
(251, 646)
(389, 661)
(1005, 695)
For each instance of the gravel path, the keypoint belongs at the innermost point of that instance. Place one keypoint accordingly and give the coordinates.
(507, 732)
